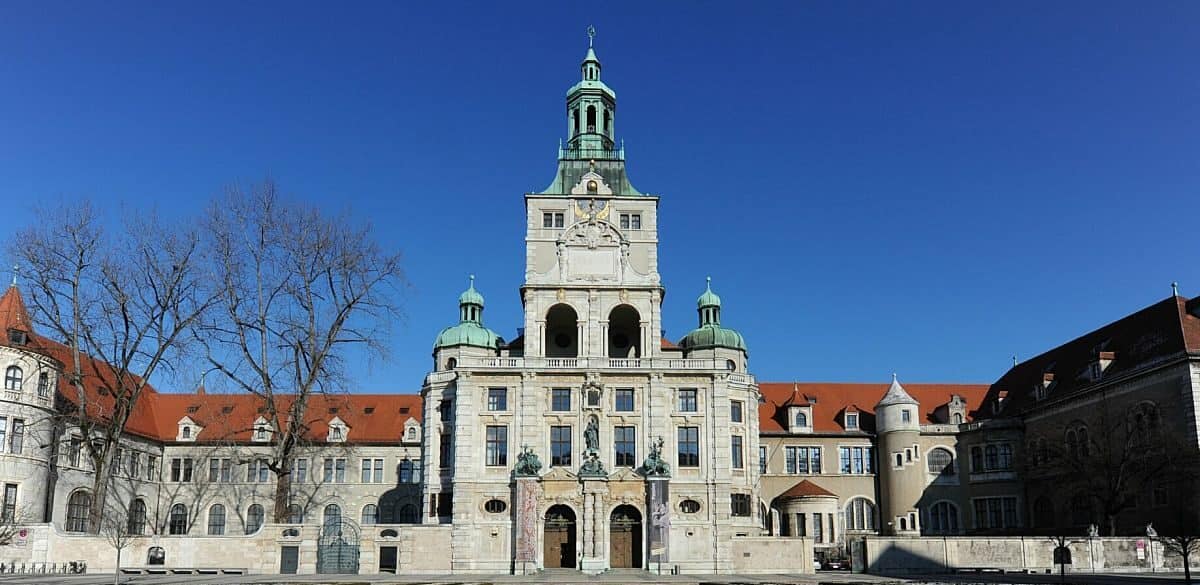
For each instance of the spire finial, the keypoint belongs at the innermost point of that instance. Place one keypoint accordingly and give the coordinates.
(591, 32)
(893, 376)
(16, 271)
(1014, 360)
(471, 277)
(1174, 287)
(708, 282)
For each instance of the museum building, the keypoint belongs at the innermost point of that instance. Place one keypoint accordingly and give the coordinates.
(590, 441)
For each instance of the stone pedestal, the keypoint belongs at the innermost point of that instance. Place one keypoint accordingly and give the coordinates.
(526, 523)
(658, 524)
(594, 537)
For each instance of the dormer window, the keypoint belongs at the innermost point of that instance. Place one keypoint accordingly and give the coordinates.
(188, 429)
(262, 431)
(337, 431)
(851, 421)
(801, 419)
(187, 432)
(17, 337)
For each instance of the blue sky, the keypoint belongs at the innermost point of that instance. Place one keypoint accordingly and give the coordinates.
(927, 188)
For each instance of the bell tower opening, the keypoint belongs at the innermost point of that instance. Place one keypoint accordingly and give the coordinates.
(562, 332)
(624, 333)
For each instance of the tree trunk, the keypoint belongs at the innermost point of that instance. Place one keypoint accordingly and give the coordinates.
(1187, 566)
(99, 494)
(283, 490)
(117, 572)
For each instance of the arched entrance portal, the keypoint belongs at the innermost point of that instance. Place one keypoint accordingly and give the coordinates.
(624, 333)
(559, 550)
(625, 538)
(337, 547)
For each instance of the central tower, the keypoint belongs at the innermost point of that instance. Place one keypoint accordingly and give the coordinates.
(591, 287)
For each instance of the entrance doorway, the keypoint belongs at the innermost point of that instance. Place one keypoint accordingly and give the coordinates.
(560, 537)
(625, 538)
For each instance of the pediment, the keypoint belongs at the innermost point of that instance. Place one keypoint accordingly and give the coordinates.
(624, 474)
(591, 183)
(559, 474)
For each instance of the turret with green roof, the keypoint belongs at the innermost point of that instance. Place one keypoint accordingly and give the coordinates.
(470, 330)
(710, 333)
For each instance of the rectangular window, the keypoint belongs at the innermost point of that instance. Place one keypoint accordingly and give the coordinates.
(10, 503)
(446, 410)
(689, 446)
(552, 219)
(560, 400)
(497, 399)
(855, 460)
(803, 459)
(176, 470)
(560, 446)
(445, 451)
(735, 454)
(372, 471)
(1005, 453)
(135, 464)
(214, 470)
(181, 470)
(631, 221)
(152, 467)
(996, 513)
(43, 385)
(851, 421)
(300, 470)
(624, 400)
(625, 445)
(226, 470)
(366, 471)
(735, 411)
(118, 463)
(75, 451)
(905, 416)
(762, 459)
(817, 525)
(739, 504)
(4, 432)
(18, 435)
(335, 470)
(497, 446)
(687, 400)
(257, 471)
(445, 504)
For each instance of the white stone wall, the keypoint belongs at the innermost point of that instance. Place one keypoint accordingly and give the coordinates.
(898, 555)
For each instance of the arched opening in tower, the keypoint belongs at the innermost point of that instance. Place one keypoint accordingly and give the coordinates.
(591, 119)
(624, 333)
(562, 332)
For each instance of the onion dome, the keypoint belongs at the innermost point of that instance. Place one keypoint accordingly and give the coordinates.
(896, 394)
(470, 330)
(710, 334)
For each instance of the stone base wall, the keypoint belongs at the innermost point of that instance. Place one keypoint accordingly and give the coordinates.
(772, 555)
(930, 554)
(421, 549)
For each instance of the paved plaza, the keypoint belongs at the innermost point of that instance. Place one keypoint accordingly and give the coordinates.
(616, 576)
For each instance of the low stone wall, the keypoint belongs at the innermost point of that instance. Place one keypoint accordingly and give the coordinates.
(932, 554)
(421, 549)
(772, 554)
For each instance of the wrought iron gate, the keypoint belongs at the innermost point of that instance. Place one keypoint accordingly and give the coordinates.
(337, 549)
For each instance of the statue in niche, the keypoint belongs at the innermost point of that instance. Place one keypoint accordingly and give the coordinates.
(591, 436)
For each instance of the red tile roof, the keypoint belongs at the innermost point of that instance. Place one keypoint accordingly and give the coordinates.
(13, 314)
(806, 489)
(828, 400)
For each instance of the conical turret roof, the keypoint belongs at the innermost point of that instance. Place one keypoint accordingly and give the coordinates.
(13, 314)
(896, 394)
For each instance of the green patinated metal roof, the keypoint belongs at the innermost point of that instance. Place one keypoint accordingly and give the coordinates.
(710, 333)
(470, 330)
(709, 298)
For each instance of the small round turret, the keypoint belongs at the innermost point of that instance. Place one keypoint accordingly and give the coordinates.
(470, 330)
(710, 334)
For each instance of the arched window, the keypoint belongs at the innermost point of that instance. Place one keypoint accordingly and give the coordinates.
(958, 418)
(801, 419)
(408, 514)
(295, 514)
(216, 520)
(591, 118)
(177, 522)
(78, 508)
(1043, 513)
(451, 363)
(943, 518)
(254, 518)
(1084, 444)
(135, 522)
(13, 378)
(333, 516)
(1072, 444)
(860, 515)
(370, 514)
(940, 461)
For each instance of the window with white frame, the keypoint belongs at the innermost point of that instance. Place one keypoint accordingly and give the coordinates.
(631, 221)
(851, 421)
(860, 514)
(687, 400)
(497, 399)
(856, 460)
(372, 470)
(802, 459)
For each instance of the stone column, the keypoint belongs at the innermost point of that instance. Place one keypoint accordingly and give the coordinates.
(594, 557)
(658, 523)
(527, 492)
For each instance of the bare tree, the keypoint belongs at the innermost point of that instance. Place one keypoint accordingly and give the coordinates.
(298, 290)
(120, 305)
(12, 524)
(115, 528)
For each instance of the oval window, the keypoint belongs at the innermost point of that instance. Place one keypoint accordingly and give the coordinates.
(495, 506)
(291, 532)
(689, 506)
(730, 365)
(389, 533)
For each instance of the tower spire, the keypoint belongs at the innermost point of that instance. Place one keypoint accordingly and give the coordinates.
(591, 32)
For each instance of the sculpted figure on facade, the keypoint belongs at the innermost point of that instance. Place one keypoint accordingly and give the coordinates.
(655, 465)
(528, 464)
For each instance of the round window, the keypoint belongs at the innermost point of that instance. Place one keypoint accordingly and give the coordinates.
(689, 506)
(730, 365)
(562, 340)
(495, 506)
(620, 340)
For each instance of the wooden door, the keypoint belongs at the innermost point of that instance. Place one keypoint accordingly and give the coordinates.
(625, 538)
(559, 550)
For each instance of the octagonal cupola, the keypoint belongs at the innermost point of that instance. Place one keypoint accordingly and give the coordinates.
(470, 331)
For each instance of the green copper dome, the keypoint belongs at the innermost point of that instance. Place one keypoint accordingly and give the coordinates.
(710, 333)
(470, 330)
(709, 298)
